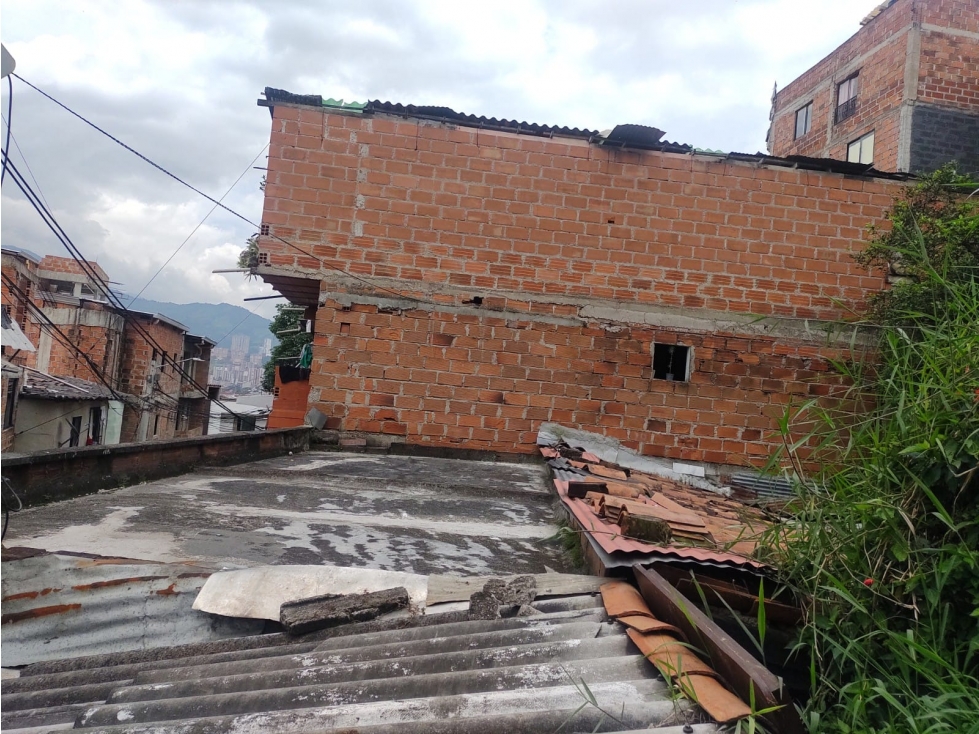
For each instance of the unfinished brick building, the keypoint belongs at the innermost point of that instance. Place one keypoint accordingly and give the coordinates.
(470, 278)
(901, 94)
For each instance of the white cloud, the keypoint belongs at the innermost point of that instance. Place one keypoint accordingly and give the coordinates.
(179, 82)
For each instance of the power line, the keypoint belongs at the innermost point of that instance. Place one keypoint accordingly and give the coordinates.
(242, 217)
(200, 224)
(86, 266)
(10, 116)
(24, 158)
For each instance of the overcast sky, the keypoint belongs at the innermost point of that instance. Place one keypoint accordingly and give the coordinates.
(178, 81)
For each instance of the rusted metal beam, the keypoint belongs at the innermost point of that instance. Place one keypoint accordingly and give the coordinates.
(739, 669)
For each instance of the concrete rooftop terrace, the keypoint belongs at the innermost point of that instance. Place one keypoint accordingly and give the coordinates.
(398, 513)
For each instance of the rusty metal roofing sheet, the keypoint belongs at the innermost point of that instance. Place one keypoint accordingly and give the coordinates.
(442, 673)
(60, 605)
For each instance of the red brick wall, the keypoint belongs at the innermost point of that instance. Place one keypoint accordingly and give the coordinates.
(69, 265)
(137, 365)
(488, 382)
(542, 230)
(447, 211)
(948, 74)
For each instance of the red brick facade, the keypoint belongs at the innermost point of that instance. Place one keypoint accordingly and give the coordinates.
(149, 373)
(513, 279)
(915, 58)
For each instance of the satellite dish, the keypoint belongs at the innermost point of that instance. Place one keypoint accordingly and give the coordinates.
(7, 63)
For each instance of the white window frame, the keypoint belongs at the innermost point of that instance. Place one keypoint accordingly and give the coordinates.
(861, 150)
(806, 112)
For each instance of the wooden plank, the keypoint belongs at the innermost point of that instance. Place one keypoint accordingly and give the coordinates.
(739, 669)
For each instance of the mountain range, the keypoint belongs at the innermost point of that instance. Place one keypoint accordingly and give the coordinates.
(214, 320)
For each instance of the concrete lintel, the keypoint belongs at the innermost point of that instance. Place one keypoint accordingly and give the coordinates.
(405, 304)
(704, 320)
(85, 317)
(616, 316)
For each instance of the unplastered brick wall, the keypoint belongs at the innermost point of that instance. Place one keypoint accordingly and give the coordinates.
(99, 344)
(56, 264)
(877, 52)
(451, 213)
(137, 367)
(487, 382)
(949, 68)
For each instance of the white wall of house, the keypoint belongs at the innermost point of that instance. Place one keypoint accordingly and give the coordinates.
(47, 424)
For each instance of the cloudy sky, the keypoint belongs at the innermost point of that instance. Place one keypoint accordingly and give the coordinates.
(178, 81)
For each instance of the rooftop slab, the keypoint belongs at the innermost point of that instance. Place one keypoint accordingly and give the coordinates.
(398, 513)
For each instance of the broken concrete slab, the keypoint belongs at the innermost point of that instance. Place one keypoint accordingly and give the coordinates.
(259, 593)
(332, 610)
(447, 588)
(518, 592)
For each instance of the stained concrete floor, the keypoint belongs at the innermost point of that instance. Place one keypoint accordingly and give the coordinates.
(399, 513)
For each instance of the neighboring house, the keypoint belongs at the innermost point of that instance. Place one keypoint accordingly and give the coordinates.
(194, 405)
(14, 343)
(56, 413)
(901, 94)
(469, 278)
(76, 314)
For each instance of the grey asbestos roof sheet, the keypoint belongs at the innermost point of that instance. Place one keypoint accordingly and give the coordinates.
(442, 673)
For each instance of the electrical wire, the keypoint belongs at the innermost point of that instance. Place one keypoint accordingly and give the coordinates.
(10, 117)
(86, 266)
(23, 157)
(240, 216)
(201, 224)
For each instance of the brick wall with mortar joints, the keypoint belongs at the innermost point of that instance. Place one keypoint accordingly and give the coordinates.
(69, 265)
(533, 219)
(136, 366)
(450, 379)
(948, 74)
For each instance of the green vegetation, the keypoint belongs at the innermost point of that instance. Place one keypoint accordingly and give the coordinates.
(884, 542)
(290, 344)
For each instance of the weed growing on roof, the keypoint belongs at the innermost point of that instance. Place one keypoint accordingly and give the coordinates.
(884, 542)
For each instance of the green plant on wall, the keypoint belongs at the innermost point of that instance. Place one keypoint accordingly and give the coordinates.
(884, 540)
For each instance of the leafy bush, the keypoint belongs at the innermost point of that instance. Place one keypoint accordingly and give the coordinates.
(884, 545)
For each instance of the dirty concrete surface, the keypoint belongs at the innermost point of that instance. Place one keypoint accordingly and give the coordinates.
(400, 513)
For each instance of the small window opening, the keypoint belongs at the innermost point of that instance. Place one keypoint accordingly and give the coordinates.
(76, 430)
(671, 362)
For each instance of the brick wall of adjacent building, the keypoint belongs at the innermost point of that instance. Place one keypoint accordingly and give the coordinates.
(512, 280)
(915, 53)
(137, 366)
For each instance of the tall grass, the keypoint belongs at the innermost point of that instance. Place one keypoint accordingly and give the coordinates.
(884, 543)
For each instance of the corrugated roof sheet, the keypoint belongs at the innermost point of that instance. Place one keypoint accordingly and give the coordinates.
(442, 674)
(45, 387)
(730, 528)
(481, 121)
(61, 605)
(13, 336)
